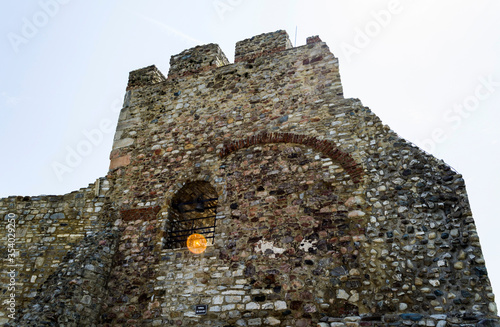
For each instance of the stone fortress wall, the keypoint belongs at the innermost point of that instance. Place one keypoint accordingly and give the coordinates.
(322, 214)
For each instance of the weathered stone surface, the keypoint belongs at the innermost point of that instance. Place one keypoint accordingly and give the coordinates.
(315, 212)
(144, 76)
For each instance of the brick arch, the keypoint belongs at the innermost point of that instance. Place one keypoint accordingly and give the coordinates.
(328, 148)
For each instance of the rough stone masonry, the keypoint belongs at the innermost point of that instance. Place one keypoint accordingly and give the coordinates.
(315, 213)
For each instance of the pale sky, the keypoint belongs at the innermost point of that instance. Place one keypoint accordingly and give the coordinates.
(429, 69)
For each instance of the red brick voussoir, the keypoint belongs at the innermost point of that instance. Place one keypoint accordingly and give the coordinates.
(328, 148)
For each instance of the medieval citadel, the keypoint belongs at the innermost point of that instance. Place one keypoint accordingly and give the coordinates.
(315, 212)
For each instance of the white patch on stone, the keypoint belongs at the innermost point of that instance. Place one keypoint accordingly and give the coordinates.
(341, 294)
(307, 244)
(262, 246)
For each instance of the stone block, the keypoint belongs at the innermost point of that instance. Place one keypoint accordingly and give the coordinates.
(197, 60)
(144, 77)
(119, 162)
(260, 45)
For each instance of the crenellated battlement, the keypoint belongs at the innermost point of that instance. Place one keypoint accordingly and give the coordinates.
(213, 71)
(207, 57)
(144, 76)
(196, 60)
(263, 44)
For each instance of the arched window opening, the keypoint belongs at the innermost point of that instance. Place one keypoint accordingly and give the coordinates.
(192, 211)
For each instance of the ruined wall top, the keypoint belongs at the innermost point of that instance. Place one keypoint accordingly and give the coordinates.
(144, 76)
(206, 57)
(262, 44)
(197, 59)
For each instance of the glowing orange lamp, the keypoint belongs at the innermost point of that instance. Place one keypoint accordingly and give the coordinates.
(197, 243)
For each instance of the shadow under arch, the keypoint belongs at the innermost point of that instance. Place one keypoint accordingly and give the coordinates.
(192, 209)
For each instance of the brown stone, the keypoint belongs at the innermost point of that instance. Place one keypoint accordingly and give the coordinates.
(120, 162)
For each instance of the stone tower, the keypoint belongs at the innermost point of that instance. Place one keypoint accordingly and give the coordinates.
(314, 212)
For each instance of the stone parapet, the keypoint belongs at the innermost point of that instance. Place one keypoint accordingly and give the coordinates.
(145, 76)
(260, 45)
(196, 60)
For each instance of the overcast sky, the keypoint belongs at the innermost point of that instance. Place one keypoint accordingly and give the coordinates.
(430, 69)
